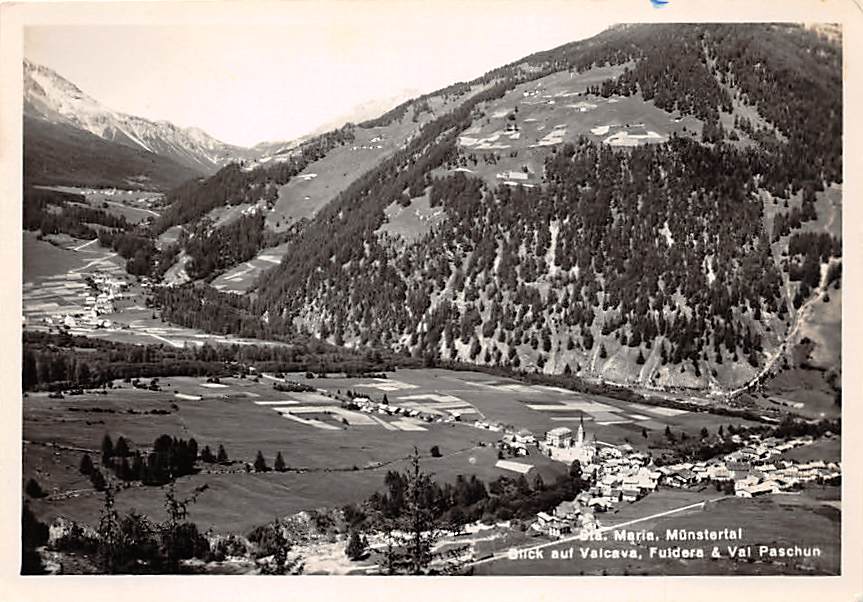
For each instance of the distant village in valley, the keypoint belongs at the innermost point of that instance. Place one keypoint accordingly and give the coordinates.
(619, 474)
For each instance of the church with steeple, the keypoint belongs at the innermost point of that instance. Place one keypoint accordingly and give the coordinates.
(560, 445)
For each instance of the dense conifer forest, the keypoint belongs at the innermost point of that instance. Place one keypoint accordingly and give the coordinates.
(660, 247)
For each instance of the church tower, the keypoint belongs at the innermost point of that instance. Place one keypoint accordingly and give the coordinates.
(579, 438)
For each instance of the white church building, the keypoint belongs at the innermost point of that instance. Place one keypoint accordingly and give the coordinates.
(559, 445)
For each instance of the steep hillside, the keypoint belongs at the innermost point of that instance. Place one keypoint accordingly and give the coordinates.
(288, 188)
(50, 97)
(61, 154)
(598, 209)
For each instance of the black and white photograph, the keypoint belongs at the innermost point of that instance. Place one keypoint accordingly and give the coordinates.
(481, 289)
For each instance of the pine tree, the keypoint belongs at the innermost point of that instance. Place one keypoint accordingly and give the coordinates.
(124, 471)
(413, 530)
(137, 472)
(356, 547)
(86, 466)
(260, 463)
(222, 456)
(107, 450)
(279, 464)
(98, 480)
(207, 455)
(121, 448)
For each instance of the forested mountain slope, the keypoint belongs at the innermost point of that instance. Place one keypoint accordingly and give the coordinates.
(56, 153)
(679, 257)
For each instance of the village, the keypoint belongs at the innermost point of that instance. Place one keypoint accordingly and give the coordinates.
(619, 474)
(77, 303)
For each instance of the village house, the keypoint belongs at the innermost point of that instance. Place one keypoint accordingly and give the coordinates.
(557, 528)
(567, 510)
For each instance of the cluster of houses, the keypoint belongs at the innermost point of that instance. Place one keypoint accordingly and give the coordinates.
(755, 469)
(516, 443)
(96, 299)
(367, 406)
(617, 474)
(621, 474)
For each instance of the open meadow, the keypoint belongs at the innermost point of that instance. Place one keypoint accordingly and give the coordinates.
(333, 455)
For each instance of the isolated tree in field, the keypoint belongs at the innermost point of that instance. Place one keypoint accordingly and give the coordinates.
(107, 450)
(602, 352)
(704, 432)
(435, 451)
(385, 401)
(668, 434)
(640, 359)
(222, 455)
(356, 547)
(644, 432)
(86, 466)
(260, 463)
(279, 464)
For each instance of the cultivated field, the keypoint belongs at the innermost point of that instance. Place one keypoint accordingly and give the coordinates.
(241, 278)
(328, 467)
(55, 288)
(410, 223)
(334, 456)
(524, 126)
(322, 180)
(535, 407)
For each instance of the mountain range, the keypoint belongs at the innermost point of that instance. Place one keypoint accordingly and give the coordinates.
(51, 98)
(656, 206)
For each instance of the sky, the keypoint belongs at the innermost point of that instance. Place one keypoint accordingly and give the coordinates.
(283, 73)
